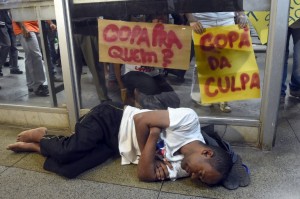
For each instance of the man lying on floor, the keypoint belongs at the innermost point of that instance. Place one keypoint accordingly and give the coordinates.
(107, 130)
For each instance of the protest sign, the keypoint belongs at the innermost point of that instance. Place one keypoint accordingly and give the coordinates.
(260, 20)
(147, 44)
(227, 69)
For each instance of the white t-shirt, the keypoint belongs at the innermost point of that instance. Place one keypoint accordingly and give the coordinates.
(184, 128)
(128, 145)
(213, 19)
(149, 70)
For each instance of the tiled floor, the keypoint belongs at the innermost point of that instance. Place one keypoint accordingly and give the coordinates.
(274, 174)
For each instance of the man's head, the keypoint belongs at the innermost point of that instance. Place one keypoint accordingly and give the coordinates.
(211, 164)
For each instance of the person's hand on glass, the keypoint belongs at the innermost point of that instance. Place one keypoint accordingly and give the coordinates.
(242, 20)
(197, 27)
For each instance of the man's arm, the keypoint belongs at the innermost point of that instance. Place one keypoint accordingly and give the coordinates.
(117, 70)
(148, 126)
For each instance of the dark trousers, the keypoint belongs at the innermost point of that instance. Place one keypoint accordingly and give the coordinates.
(94, 141)
(145, 83)
(155, 92)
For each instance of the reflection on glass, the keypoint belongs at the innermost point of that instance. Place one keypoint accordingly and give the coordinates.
(97, 81)
(118, 87)
(30, 71)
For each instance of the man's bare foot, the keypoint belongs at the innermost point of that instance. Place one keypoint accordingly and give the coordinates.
(24, 147)
(32, 135)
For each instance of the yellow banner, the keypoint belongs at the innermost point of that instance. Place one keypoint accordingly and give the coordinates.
(146, 44)
(260, 20)
(227, 69)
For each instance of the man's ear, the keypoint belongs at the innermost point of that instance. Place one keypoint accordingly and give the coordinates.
(208, 153)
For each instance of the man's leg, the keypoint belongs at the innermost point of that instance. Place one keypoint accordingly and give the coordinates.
(72, 169)
(285, 66)
(24, 147)
(4, 46)
(28, 141)
(90, 51)
(38, 74)
(141, 81)
(34, 65)
(28, 61)
(166, 98)
(159, 101)
(13, 54)
(99, 126)
(295, 78)
(79, 63)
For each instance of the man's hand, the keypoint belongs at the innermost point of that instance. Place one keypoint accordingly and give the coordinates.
(53, 27)
(161, 169)
(241, 20)
(197, 27)
(25, 32)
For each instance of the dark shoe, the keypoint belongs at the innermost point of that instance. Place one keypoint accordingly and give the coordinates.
(16, 71)
(6, 64)
(295, 93)
(20, 58)
(30, 90)
(42, 91)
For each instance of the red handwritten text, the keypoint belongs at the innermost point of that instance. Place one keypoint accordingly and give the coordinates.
(215, 63)
(141, 36)
(211, 42)
(227, 83)
(132, 55)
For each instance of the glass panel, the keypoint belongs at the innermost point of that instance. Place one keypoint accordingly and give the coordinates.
(180, 80)
(31, 70)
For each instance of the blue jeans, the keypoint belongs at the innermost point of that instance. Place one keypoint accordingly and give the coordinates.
(34, 64)
(295, 76)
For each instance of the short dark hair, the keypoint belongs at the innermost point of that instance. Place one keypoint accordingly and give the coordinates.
(221, 161)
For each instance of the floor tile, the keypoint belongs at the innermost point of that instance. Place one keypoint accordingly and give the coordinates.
(8, 136)
(2, 169)
(19, 183)
(113, 172)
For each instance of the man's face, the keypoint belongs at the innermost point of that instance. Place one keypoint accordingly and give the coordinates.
(199, 168)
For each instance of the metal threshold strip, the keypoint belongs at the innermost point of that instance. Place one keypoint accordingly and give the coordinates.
(236, 121)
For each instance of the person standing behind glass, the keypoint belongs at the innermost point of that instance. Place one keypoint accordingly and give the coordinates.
(8, 43)
(28, 32)
(86, 48)
(294, 31)
(200, 21)
(51, 33)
